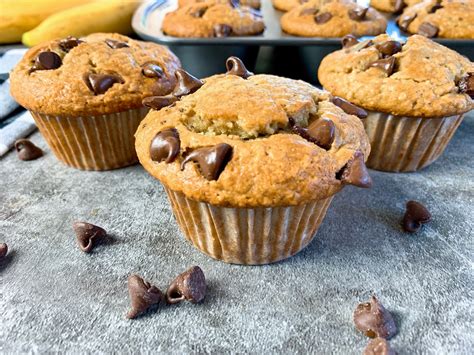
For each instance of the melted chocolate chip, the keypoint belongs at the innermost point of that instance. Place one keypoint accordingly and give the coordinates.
(69, 43)
(222, 30)
(47, 61)
(399, 6)
(236, 67)
(415, 215)
(349, 41)
(405, 21)
(187, 84)
(152, 70)
(27, 150)
(100, 83)
(428, 30)
(322, 18)
(466, 85)
(3, 250)
(86, 234)
(158, 102)
(189, 286)
(142, 295)
(374, 320)
(358, 14)
(389, 48)
(379, 346)
(349, 107)
(165, 146)
(355, 172)
(386, 64)
(211, 160)
(321, 132)
(116, 44)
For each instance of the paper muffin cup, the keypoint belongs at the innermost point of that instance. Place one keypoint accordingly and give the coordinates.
(101, 142)
(404, 144)
(249, 236)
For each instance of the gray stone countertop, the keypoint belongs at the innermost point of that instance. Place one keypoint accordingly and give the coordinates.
(54, 298)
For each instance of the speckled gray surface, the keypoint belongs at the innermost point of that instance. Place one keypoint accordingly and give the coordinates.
(54, 298)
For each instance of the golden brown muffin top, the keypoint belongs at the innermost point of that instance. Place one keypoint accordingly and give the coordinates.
(419, 78)
(393, 6)
(252, 3)
(98, 74)
(246, 140)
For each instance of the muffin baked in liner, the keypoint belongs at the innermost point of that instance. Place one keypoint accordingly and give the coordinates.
(86, 95)
(416, 94)
(250, 163)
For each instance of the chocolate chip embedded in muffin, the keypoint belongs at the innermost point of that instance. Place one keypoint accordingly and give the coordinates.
(386, 64)
(358, 14)
(47, 60)
(27, 150)
(69, 43)
(152, 70)
(187, 83)
(466, 85)
(165, 146)
(114, 44)
(349, 107)
(321, 132)
(349, 41)
(158, 102)
(415, 216)
(379, 346)
(87, 234)
(100, 83)
(222, 30)
(355, 172)
(428, 30)
(404, 21)
(322, 18)
(189, 286)
(372, 319)
(143, 295)
(210, 160)
(236, 67)
(389, 48)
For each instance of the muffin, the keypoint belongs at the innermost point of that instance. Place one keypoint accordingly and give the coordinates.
(251, 163)
(317, 18)
(213, 19)
(392, 6)
(86, 95)
(443, 19)
(416, 94)
(252, 3)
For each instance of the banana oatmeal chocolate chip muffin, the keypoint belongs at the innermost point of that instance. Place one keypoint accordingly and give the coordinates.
(318, 18)
(213, 19)
(392, 6)
(86, 95)
(252, 3)
(417, 93)
(251, 163)
(436, 18)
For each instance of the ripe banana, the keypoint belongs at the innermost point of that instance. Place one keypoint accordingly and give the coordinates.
(19, 16)
(98, 16)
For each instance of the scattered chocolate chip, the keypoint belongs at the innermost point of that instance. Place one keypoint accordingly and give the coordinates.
(386, 64)
(309, 11)
(47, 60)
(358, 14)
(3, 250)
(236, 67)
(100, 83)
(372, 319)
(211, 160)
(142, 295)
(27, 150)
(187, 83)
(415, 215)
(466, 85)
(349, 107)
(165, 146)
(399, 6)
(428, 30)
(86, 233)
(189, 286)
(69, 43)
(116, 44)
(379, 346)
(322, 18)
(355, 172)
(349, 41)
(158, 102)
(199, 12)
(389, 48)
(152, 70)
(222, 30)
(405, 21)
(321, 132)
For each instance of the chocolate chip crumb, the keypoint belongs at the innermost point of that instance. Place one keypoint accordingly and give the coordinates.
(86, 235)
(189, 286)
(3, 250)
(379, 346)
(165, 146)
(235, 66)
(26, 150)
(415, 215)
(372, 319)
(211, 160)
(142, 296)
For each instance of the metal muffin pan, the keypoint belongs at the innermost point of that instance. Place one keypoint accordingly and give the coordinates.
(206, 56)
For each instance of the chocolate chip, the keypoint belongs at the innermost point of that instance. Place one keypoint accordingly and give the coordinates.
(321, 132)
(415, 215)
(399, 6)
(389, 48)
(309, 11)
(236, 67)
(3, 250)
(362, 45)
(374, 320)
(405, 21)
(47, 61)
(27, 150)
(466, 85)
(322, 18)
(211, 160)
(158, 102)
(189, 286)
(386, 64)
(142, 295)
(86, 234)
(100, 83)
(152, 70)
(358, 14)
(199, 12)
(355, 172)
(349, 41)
(187, 83)
(222, 30)
(435, 8)
(116, 44)
(165, 146)
(379, 346)
(428, 30)
(349, 107)
(69, 43)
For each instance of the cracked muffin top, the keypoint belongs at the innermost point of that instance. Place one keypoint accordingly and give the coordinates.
(213, 19)
(98, 74)
(419, 78)
(318, 18)
(392, 6)
(245, 140)
(252, 3)
(436, 18)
